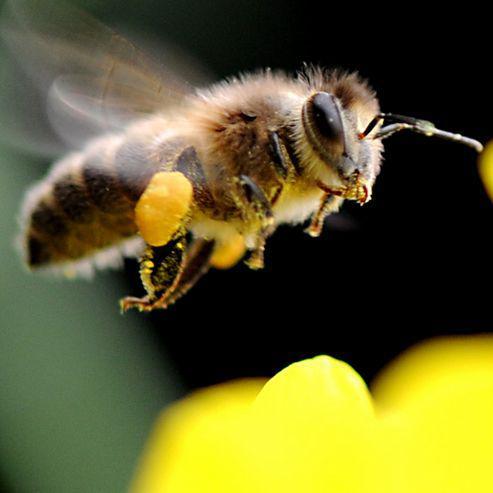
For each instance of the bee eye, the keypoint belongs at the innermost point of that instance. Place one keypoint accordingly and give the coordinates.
(324, 118)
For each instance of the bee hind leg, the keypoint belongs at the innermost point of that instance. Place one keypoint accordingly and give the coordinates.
(168, 272)
(196, 264)
(160, 267)
(161, 214)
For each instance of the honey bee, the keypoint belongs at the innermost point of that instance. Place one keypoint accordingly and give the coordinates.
(192, 178)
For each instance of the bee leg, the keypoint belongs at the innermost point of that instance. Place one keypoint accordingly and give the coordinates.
(328, 203)
(277, 153)
(262, 209)
(169, 272)
(283, 156)
(160, 270)
(196, 264)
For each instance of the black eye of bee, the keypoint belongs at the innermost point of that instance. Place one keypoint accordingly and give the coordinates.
(326, 116)
(323, 118)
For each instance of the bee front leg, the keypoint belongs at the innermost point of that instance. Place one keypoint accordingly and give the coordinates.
(261, 207)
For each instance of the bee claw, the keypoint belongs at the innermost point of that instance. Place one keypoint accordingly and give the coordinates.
(314, 230)
(364, 195)
(255, 262)
(256, 259)
(142, 304)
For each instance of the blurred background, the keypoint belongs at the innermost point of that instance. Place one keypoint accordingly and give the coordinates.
(80, 384)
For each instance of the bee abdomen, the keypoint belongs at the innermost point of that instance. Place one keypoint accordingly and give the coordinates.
(78, 209)
(45, 228)
(87, 202)
(73, 199)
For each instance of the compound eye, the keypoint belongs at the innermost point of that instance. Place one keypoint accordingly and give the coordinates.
(325, 118)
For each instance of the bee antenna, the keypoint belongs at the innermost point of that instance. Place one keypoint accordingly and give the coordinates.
(396, 123)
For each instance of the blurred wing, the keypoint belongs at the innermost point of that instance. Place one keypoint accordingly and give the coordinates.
(24, 123)
(95, 79)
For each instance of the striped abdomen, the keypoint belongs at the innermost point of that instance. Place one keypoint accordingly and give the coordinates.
(86, 204)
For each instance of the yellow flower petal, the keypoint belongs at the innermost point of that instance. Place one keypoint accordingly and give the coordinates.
(312, 428)
(317, 426)
(201, 444)
(486, 168)
(428, 367)
(437, 403)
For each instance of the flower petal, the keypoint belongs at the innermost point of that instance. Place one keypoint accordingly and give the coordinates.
(310, 429)
(318, 429)
(201, 444)
(486, 169)
(437, 404)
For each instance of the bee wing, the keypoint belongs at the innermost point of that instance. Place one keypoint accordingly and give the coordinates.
(24, 123)
(95, 80)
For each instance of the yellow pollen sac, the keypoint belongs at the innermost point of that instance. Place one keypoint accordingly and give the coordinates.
(162, 207)
(228, 254)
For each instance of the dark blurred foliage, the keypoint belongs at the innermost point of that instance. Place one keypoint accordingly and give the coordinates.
(415, 264)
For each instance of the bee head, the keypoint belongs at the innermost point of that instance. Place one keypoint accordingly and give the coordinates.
(332, 135)
(344, 156)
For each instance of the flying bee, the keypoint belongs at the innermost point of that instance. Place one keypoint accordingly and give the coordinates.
(188, 178)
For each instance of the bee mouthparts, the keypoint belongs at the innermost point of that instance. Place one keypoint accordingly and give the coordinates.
(355, 190)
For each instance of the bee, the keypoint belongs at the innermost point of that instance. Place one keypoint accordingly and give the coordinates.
(191, 178)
